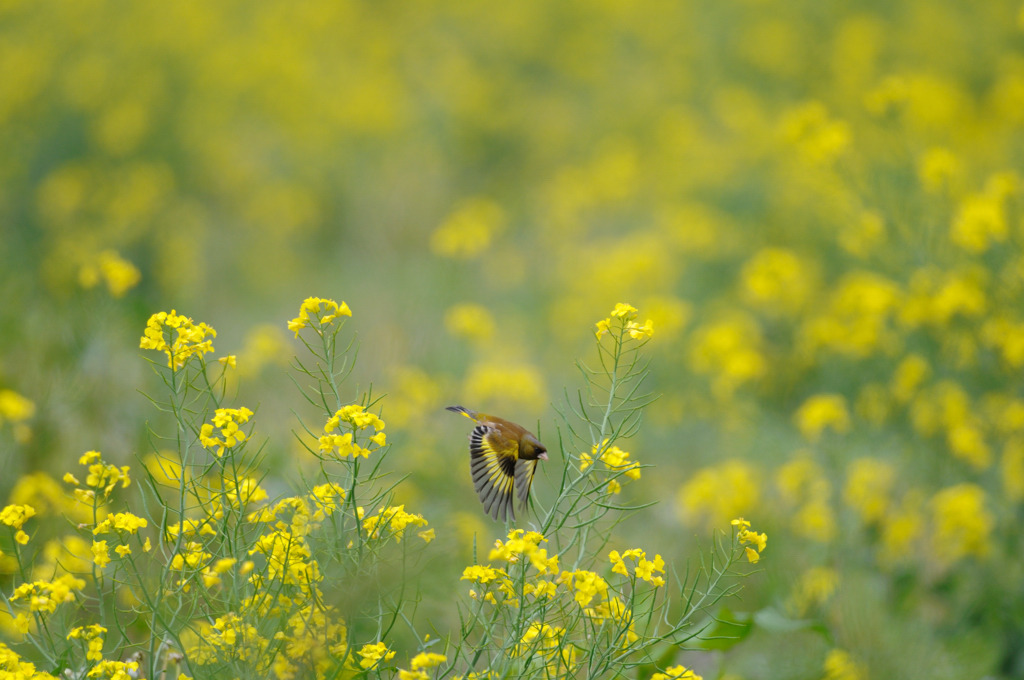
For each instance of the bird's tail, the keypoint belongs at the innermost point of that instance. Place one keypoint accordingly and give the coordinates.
(463, 410)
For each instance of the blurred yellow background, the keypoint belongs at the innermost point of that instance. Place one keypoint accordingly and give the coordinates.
(818, 205)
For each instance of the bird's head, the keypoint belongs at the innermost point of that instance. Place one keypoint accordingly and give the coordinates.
(532, 449)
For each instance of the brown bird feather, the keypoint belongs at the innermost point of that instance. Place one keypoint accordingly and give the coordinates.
(502, 459)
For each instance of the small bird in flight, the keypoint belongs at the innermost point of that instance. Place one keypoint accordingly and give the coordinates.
(502, 457)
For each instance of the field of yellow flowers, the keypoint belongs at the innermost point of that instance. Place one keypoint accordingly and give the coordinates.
(751, 270)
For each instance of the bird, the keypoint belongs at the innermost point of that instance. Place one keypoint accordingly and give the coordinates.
(502, 459)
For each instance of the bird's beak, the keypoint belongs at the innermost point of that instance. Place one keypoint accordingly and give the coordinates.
(543, 456)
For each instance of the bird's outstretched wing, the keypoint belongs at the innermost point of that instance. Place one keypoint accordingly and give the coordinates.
(492, 461)
(524, 478)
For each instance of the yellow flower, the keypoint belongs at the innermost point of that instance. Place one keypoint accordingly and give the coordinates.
(115, 670)
(585, 586)
(962, 525)
(427, 660)
(122, 521)
(980, 222)
(119, 274)
(100, 555)
(15, 516)
(869, 482)
(818, 138)
(821, 412)
(638, 332)
(14, 407)
(468, 231)
(645, 568)
(44, 596)
(936, 169)
(92, 635)
(815, 587)
(624, 311)
(839, 665)
(226, 422)
(677, 673)
(470, 322)
(715, 494)
(744, 535)
(394, 519)
(776, 279)
(322, 310)
(187, 339)
(728, 350)
(374, 653)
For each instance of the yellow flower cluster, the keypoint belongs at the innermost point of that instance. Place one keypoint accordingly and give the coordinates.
(226, 421)
(645, 569)
(189, 528)
(839, 665)
(807, 493)
(821, 412)
(100, 554)
(101, 479)
(307, 642)
(115, 670)
(548, 642)
(728, 349)
(11, 666)
(615, 460)
(526, 544)
(117, 273)
(756, 541)
(394, 520)
(178, 337)
(589, 590)
(374, 653)
(44, 596)
(815, 587)
(322, 311)
(289, 560)
(585, 586)
(469, 229)
(16, 409)
(963, 524)
(121, 522)
(519, 385)
(470, 322)
(778, 280)
(92, 635)
(191, 557)
(869, 482)
(718, 493)
(677, 673)
(420, 664)
(230, 638)
(240, 493)
(625, 315)
(15, 517)
(345, 445)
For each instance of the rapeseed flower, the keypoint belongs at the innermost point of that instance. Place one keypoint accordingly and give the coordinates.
(178, 337)
(15, 517)
(92, 635)
(962, 525)
(318, 313)
(228, 435)
(677, 673)
(374, 653)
